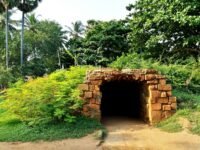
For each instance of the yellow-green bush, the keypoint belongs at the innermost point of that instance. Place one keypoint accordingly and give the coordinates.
(51, 98)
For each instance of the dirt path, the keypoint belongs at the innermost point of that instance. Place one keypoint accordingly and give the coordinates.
(135, 135)
(86, 143)
(123, 135)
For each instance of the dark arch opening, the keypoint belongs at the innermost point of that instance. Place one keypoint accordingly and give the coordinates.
(121, 98)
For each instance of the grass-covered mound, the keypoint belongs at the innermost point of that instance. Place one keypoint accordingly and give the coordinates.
(46, 108)
(185, 79)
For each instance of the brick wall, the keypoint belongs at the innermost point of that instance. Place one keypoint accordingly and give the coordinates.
(156, 96)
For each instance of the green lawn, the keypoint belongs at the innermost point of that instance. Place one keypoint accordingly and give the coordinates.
(12, 130)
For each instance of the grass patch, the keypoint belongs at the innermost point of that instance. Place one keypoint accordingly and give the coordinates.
(194, 118)
(14, 130)
(187, 99)
(172, 124)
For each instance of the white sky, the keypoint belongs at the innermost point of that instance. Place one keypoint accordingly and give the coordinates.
(67, 11)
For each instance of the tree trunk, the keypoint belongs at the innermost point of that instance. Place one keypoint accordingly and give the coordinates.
(22, 40)
(6, 41)
(59, 60)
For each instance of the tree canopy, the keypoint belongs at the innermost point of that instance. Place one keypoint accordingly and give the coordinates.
(165, 27)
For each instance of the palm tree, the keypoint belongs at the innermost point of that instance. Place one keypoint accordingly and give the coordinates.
(5, 5)
(75, 33)
(12, 24)
(76, 30)
(26, 6)
(30, 22)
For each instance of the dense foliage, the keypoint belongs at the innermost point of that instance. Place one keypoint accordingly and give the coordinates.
(162, 28)
(100, 44)
(51, 98)
(180, 74)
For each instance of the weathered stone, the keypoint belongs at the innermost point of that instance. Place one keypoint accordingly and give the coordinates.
(169, 93)
(166, 87)
(152, 87)
(91, 87)
(174, 106)
(162, 100)
(98, 101)
(156, 116)
(150, 76)
(152, 100)
(163, 94)
(92, 101)
(166, 107)
(172, 99)
(95, 77)
(97, 95)
(97, 88)
(84, 87)
(150, 71)
(155, 93)
(156, 106)
(162, 81)
(96, 82)
(88, 95)
(152, 82)
(94, 106)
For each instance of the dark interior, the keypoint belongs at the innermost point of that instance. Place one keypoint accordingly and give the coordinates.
(121, 98)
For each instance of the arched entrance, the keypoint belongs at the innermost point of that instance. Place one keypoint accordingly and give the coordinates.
(135, 93)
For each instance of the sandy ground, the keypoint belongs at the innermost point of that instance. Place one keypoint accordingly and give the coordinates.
(86, 143)
(135, 135)
(124, 134)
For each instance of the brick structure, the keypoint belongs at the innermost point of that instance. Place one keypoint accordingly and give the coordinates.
(156, 96)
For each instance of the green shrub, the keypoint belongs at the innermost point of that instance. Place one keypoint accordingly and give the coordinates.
(184, 74)
(45, 99)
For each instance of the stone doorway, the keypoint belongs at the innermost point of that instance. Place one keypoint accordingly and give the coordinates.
(153, 100)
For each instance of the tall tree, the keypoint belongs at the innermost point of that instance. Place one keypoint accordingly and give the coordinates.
(6, 5)
(77, 29)
(26, 6)
(43, 44)
(106, 40)
(162, 28)
(75, 32)
(31, 21)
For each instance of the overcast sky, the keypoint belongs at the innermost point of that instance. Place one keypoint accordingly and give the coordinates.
(67, 11)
